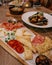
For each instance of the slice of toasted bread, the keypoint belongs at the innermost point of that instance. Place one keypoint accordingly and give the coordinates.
(28, 55)
(26, 43)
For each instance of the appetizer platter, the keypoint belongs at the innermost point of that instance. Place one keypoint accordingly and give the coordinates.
(22, 42)
(37, 19)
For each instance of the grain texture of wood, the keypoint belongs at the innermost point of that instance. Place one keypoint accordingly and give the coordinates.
(7, 59)
(10, 50)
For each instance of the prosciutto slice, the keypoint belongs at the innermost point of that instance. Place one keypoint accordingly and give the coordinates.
(38, 39)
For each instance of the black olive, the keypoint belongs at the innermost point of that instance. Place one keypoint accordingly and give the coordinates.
(44, 20)
(37, 13)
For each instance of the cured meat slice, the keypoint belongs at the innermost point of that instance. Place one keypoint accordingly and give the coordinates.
(38, 39)
(11, 26)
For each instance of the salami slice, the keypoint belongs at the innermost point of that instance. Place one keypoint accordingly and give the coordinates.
(38, 39)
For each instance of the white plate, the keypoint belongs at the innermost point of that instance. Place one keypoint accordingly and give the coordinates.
(25, 19)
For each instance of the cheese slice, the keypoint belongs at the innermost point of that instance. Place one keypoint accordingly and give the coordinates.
(25, 42)
(27, 33)
(2, 32)
(19, 32)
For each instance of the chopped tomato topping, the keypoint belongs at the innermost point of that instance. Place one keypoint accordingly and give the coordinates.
(16, 45)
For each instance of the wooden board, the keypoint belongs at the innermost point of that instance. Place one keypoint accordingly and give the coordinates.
(18, 56)
(8, 49)
(15, 54)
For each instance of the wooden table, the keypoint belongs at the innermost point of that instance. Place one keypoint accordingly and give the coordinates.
(5, 57)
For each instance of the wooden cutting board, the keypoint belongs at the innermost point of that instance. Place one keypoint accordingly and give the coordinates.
(18, 56)
(8, 49)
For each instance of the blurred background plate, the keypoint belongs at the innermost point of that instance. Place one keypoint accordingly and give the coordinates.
(25, 19)
(15, 3)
